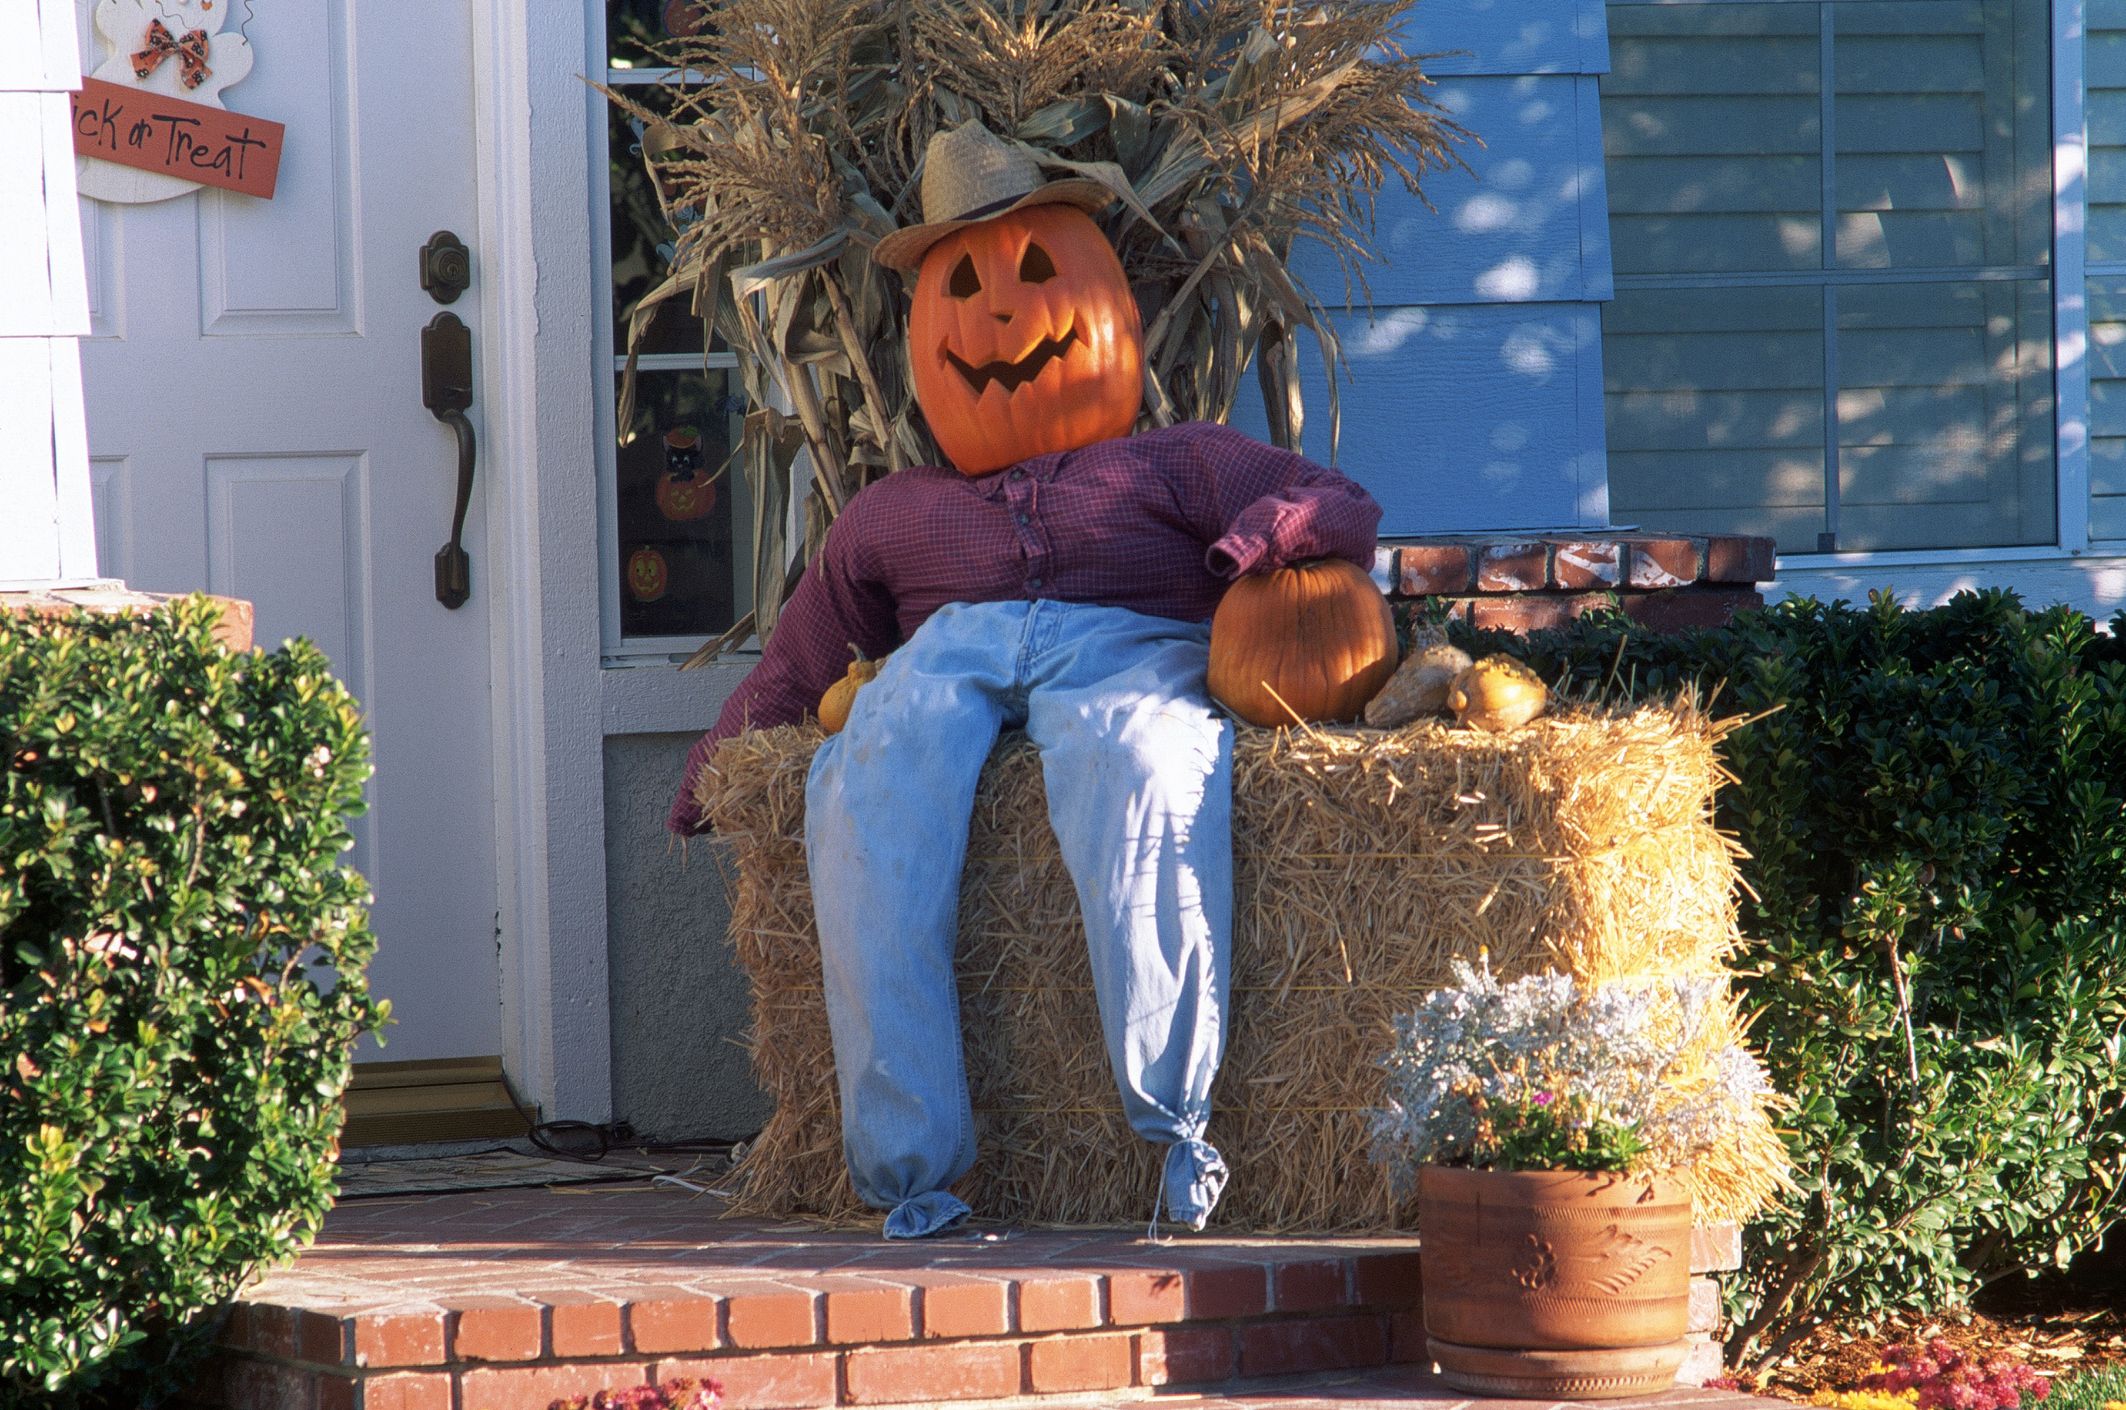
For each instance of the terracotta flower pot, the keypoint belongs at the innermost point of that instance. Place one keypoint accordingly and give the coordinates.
(1552, 1283)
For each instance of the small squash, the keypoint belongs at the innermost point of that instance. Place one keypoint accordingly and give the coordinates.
(1418, 687)
(1315, 639)
(834, 705)
(1497, 694)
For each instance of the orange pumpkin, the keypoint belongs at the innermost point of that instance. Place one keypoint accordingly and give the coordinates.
(1024, 339)
(1316, 636)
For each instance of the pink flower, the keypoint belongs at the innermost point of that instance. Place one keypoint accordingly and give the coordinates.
(1544, 1098)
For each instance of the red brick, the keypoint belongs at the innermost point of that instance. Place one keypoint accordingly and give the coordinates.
(1140, 1296)
(1662, 563)
(1704, 1305)
(677, 1322)
(1534, 612)
(1434, 570)
(580, 1325)
(1406, 1338)
(494, 1329)
(790, 1381)
(1716, 1248)
(964, 1307)
(1058, 1304)
(537, 1387)
(1239, 1290)
(1686, 608)
(265, 1385)
(1184, 1356)
(1310, 1286)
(1315, 1344)
(861, 1312)
(880, 1375)
(1388, 1279)
(407, 1390)
(1100, 1362)
(398, 1339)
(271, 1331)
(1732, 558)
(759, 1320)
(321, 1338)
(1513, 567)
(1586, 563)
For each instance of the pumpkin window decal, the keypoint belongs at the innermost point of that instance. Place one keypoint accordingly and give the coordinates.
(647, 574)
(1024, 339)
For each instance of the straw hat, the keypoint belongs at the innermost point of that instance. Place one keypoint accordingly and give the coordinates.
(969, 175)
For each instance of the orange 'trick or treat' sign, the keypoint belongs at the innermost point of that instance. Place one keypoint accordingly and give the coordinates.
(209, 145)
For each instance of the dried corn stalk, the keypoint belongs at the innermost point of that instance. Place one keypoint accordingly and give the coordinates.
(789, 141)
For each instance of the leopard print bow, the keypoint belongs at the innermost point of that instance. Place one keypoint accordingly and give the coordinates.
(191, 52)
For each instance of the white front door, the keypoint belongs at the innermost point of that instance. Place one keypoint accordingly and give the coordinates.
(256, 429)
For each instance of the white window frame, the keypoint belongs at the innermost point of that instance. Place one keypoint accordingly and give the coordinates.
(2070, 324)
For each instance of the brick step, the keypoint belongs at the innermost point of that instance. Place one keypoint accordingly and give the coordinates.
(505, 1300)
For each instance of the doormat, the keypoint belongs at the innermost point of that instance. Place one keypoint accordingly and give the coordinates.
(478, 1170)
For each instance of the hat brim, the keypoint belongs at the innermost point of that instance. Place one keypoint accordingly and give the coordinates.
(904, 249)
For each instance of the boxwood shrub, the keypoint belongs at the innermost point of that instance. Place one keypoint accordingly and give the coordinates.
(181, 960)
(1935, 814)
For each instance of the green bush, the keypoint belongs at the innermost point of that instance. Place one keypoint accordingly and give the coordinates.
(181, 962)
(1936, 932)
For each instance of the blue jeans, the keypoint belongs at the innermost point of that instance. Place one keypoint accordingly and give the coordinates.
(1138, 767)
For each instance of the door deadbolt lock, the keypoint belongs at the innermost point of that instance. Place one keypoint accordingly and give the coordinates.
(446, 267)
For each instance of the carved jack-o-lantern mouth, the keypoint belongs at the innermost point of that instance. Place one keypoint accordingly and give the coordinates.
(1013, 375)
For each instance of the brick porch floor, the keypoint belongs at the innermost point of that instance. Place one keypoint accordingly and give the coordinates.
(503, 1300)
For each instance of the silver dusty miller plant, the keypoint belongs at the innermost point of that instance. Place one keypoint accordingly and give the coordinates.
(1547, 1072)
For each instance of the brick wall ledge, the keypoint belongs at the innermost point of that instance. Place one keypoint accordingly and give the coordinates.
(1528, 581)
(233, 631)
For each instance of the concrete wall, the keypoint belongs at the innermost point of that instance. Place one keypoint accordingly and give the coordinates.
(678, 999)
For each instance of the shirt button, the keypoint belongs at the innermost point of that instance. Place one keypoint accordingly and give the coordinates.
(1034, 583)
(1017, 475)
(1026, 518)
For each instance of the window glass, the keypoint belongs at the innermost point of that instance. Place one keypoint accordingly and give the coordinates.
(2104, 65)
(1852, 195)
(679, 524)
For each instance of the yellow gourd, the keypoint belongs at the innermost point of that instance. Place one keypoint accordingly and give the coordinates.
(1497, 694)
(834, 705)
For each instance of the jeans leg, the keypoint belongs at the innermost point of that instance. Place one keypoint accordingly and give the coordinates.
(1138, 766)
(886, 808)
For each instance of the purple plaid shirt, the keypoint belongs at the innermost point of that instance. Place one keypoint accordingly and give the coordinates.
(1158, 523)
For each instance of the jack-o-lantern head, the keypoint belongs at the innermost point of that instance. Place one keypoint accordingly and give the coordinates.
(1023, 336)
(1024, 339)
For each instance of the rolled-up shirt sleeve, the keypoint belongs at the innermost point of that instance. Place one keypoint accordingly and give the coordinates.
(1261, 508)
(837, 603)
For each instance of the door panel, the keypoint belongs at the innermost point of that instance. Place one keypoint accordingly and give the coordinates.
(256, 425)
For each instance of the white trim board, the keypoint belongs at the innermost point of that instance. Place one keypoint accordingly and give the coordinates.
(535, 160)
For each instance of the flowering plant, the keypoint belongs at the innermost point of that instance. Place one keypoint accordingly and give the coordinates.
(671, 1395)
(1941, 1376)
(1548, 1073)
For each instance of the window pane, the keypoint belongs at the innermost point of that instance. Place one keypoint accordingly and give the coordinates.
(1715, 407)
(2107, 408)
(684, 540)
(642, 241)
(1711, 126)
(1934, 139)
(1945, 415)
(1943, 128)
(634, 27)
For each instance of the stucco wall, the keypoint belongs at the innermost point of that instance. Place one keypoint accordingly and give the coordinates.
(678, 1000)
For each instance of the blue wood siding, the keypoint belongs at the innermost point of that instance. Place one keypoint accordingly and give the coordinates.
(1474, 400)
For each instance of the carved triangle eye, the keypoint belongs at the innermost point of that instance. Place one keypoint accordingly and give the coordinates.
(965, 283)
(1035, 267)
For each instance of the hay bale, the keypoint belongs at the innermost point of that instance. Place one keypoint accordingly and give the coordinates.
(1365, 862)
